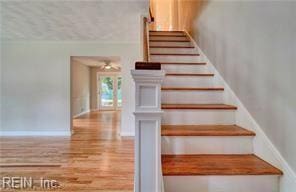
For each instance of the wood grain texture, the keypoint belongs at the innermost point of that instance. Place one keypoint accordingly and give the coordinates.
(204, 130)
(216, 165)
(175, 54)
(199, 106)
(176, 31)
(168, 35)
(95, 158)
(171, 47)
(191, 74)
(145, 39)
(192, 89)
(147, 66)
(182, 63)
(167, 40)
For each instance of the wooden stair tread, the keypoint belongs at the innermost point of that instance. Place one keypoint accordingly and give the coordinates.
(204, 130)
(192, 89)
(216, 165)
(181, 63)
(168, 35)
(167, 31)
(190, 74)
(168, 40)
(199, 106)
(168, 47)
(176, 54)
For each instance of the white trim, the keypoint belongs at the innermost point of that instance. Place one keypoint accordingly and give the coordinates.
(80, 114)
(34, 133)
(148, 176)
(222, 183)
(263, 147)
(127, 134)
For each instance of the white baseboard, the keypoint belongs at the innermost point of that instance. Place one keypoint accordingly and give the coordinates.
(127, 134)
(263, 147)
(225, 183)
(34, 133)
(82, 113)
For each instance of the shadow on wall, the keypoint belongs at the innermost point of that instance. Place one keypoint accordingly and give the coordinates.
(176, 14)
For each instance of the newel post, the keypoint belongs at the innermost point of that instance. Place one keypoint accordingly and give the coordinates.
(148, 175)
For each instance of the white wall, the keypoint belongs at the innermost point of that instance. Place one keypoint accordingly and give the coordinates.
(80, 88)
(36, 83)
(39, 39)
(253, 46)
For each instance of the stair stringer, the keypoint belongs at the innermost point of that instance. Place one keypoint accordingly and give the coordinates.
(262, 145)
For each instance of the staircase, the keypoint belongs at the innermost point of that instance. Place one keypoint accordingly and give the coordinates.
(202, 148)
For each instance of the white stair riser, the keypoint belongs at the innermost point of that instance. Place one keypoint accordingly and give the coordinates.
(166, 33)
(206, 145)
(173, 50)
(151, 43)
(188, 81)
(185, 68)
(182, 38)
(236, 183)
(173, 58)
(190, 97)
(195, 117)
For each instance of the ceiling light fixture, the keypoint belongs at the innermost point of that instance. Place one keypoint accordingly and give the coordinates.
(107, 67)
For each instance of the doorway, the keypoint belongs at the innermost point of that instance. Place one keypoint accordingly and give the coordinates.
(109, 92)
(96, 85)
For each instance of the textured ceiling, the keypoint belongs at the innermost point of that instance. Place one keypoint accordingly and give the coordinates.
(95, 61)
(104, 20)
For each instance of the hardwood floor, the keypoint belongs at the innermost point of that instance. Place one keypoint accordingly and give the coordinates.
(246, 164)
(204, 130)
(95, 158)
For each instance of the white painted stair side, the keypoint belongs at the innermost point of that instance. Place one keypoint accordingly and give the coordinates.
(173, 58)
(173, 50)
(178, 38)
(191, 97)
(188, 81)
(198, 117)
(206, 145)
(235, 183)
(179, 68)
(167, 33)
(173, 44)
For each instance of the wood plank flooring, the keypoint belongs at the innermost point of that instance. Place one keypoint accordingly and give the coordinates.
(95, 158)
(216, 165)
(204, 130)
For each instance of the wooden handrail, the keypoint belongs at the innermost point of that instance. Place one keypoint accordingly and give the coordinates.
(151, 16)
(145, 39)
(146, 22)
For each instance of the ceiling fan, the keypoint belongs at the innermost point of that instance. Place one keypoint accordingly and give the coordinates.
(108, 65)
